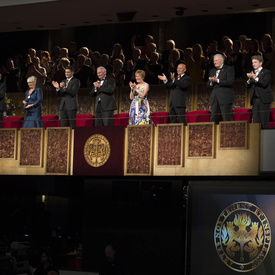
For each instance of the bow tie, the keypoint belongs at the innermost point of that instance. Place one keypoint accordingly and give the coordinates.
(218, 69)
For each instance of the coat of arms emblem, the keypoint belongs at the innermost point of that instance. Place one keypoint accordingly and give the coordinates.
(242, 236)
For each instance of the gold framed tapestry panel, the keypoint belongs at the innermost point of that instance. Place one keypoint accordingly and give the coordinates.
(201, 140)
(58, 150)
(233, 135)
(31, 147)
(139, 150)
(8, 142)
(170, 145)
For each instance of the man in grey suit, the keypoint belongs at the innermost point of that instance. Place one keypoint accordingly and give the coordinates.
(105, 103)
(68, 89)
(260, 91)
(178, 85)
(220, 81)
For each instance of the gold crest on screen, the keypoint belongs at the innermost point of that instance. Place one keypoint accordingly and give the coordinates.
(242, 236)
(97, 150)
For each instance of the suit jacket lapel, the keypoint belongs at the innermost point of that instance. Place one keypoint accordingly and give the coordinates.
(71, 81)
(104, 81)
(222, 69)
(260, 73)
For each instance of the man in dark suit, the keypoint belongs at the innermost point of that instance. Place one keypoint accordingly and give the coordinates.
(260, 93)
(220, 81)
(68, 89)
(3, 106)
(105, 103)
(178, 85)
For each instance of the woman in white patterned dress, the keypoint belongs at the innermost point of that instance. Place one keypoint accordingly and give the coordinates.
(139, 110)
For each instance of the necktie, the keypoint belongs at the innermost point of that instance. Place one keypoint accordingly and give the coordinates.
(256, 90)
(257, 72)
(218, 72)
(178, 76)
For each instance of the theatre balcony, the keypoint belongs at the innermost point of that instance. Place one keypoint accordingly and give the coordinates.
(201, 148)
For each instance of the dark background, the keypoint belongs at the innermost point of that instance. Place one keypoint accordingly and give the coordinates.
(143, 217)
(186, 31)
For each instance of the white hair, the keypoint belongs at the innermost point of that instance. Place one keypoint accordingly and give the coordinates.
(32, 79)
(102, 68)
(221, 56)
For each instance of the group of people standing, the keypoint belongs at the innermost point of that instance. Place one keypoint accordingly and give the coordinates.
(68, 88)
(220, 81)
(222, 97)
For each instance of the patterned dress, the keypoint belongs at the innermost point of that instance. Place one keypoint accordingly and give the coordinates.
(139, 110)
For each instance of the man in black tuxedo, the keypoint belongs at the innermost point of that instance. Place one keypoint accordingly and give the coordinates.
(105, 103)
(220, 81)
(3, 106)
(68, 89)
(260, 93)
(178, 85)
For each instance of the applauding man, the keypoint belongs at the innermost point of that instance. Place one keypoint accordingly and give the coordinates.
(178, 85)
(221, 83)
(105, 103)
(260, 93)
(68, 89)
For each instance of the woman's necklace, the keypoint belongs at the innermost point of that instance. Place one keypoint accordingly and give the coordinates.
(30, 92)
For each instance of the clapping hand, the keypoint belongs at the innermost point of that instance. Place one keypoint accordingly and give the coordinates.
(213, 79)
(162, 77)
(251, 75)
(55, 84)
(132, 85)
(172, 76)
(97, 85)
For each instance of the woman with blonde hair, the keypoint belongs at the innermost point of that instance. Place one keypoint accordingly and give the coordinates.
(139, 109)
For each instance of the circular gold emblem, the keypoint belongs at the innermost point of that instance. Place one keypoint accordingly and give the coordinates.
(97, 150)
(242, 236)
